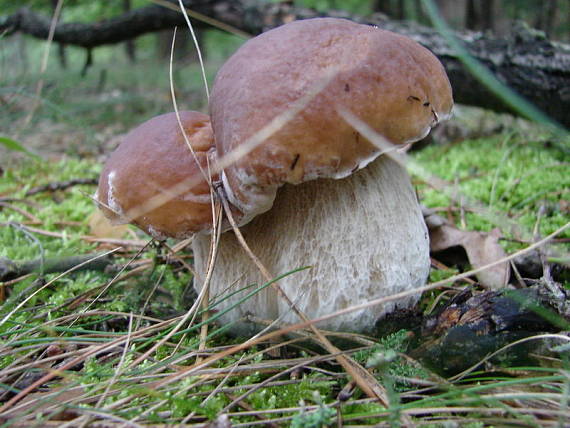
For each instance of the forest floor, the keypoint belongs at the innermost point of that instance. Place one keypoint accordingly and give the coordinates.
(90, 322)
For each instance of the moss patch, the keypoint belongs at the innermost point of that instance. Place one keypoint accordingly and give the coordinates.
(503, 181)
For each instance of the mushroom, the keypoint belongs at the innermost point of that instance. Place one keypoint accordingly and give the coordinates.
(149, 163)
(314, 193)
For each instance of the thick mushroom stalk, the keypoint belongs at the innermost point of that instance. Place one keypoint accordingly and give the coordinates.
(362, 234)
(363, 237)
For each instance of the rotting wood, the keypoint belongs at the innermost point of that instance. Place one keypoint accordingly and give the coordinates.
(473, 325)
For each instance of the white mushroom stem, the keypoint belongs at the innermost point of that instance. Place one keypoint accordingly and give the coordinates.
(364, 237)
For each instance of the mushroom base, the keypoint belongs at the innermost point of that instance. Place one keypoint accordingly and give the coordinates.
(363, 237)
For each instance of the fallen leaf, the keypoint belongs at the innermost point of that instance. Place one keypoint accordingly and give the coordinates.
(482, 248)
(100, 227)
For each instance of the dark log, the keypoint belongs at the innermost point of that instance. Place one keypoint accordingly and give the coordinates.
(124, 27)
(474, 325)
(530, 64)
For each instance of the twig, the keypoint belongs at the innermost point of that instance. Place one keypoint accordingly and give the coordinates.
(20, 211)
(12, 269)
(520, 281)
(88, 238)
(20, 200)
(61, 185)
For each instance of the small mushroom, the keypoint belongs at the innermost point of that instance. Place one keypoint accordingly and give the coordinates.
(151, 161)
(312, 201)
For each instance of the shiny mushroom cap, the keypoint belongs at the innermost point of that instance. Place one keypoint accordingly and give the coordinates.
(388, 81)
(154, 181)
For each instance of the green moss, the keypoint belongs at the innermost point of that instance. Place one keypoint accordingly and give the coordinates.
(210, 409)
(363, 412)
(397, 341)
(504, 185)
(290, 395)
(437, 275)
(502, 181)
(384, 357)
(52, 209)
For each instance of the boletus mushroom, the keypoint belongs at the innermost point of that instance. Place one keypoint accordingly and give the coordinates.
(316, 192)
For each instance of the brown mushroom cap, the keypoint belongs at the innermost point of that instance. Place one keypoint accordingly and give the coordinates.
(152, 160)
(388, 81)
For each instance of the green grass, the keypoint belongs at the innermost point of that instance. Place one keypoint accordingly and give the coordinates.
(129, 395)
(498, 172)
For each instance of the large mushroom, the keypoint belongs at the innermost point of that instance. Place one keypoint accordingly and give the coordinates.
(316, 192)
(313, 193)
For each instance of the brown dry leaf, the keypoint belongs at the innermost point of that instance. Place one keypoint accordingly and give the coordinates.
(53, 402)
(482, 248)
(100, 227)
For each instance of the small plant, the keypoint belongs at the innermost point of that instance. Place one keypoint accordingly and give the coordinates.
(15, 146)
(322, 417)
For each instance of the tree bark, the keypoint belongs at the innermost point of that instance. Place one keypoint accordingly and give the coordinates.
(130, 46)
(547, 17)
(61, 52)
(479, 15)
(471, 15)
(533, 66)
(473, 325)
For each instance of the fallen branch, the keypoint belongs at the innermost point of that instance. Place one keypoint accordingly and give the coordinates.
(88, 238)
(61, 185)
(10, 269)
(472, 325)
